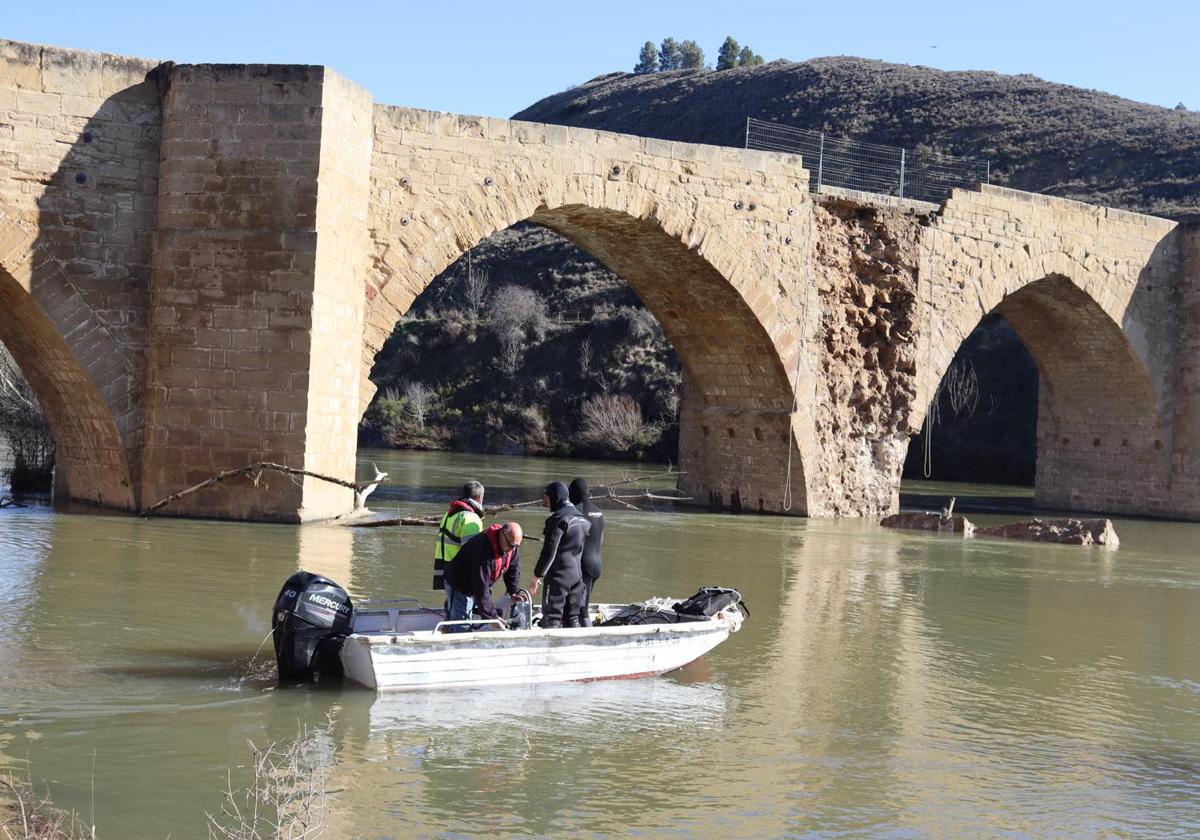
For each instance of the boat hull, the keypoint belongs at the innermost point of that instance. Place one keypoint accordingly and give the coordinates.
(426, 659)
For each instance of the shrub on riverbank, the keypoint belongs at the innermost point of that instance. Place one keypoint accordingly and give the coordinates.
(24, 429)
(506, 362)
(28, 816)
(285, 797)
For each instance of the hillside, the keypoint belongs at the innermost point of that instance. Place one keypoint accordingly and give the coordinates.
(1038, 136)
(513, 364)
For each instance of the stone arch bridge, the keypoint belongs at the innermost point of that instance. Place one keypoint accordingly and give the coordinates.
(198, 264)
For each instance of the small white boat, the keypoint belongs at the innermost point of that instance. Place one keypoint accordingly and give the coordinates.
(403, 645)
(402, 649)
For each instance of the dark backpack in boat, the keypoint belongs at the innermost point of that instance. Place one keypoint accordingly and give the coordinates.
(637, 614)
(709, 601)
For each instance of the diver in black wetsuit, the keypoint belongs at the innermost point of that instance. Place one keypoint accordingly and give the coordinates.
(589, 564)
(562, 547)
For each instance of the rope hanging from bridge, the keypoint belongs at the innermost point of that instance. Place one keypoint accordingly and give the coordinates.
(805, 275)
(931, 410)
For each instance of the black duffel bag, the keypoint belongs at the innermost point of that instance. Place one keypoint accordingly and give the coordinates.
(710, 600)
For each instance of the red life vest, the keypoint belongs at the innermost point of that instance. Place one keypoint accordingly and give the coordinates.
(500, 561)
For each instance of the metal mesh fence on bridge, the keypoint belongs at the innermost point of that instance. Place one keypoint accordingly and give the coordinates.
(855, 165)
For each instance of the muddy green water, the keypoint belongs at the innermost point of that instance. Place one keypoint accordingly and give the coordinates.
(886, 684)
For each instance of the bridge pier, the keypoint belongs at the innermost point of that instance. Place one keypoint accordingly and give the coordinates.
(737, 459)
(1185, 440)
(256, 309)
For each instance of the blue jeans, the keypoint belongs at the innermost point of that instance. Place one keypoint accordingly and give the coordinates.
(461, 607)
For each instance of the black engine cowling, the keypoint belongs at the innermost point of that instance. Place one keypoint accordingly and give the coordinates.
(312, 617)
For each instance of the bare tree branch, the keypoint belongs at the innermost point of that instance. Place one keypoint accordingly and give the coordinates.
(24, 427)
(254, 472)
(621, 499)
(419, 397)
(475, 291)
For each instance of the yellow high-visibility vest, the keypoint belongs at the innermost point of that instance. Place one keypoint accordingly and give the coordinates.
(454, 530)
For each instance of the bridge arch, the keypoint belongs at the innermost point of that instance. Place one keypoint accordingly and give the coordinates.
(1102, 431)
(736, 414)
(90, 456)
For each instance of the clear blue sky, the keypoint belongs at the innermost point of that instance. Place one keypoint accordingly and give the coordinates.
(495, 58)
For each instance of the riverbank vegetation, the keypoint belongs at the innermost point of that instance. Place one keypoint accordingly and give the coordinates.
(284, 798)
(24, 431)
(27, 815)
(527, 346)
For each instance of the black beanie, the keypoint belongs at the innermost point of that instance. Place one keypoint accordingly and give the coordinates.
(557, 491)
(579, 491)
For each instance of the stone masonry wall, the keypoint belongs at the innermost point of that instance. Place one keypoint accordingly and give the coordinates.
(343, 194)
(232, 318)
(866, 274)
(1185, 460)
(79, 143)
(1091, 292)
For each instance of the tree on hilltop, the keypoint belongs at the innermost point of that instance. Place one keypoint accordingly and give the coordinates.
(669, 55)
(749, 58)
(648, 60)
(693, 56)
(727, 57)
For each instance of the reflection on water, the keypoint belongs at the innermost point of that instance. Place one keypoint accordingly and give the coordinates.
(592, 709)
(895, 684)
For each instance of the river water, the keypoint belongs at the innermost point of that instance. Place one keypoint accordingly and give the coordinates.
(886, 684)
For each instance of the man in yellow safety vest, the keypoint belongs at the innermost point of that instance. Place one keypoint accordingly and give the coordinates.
(462, 521)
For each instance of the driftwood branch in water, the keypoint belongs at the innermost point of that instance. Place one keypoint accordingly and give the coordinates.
(396, 520)
(254, 472)
(621, 499)
(423, 521)
(635, 479)
(492, 511)
(608, 493)
(7, 502)
(648, 495)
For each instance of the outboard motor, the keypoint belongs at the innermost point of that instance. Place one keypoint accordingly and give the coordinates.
(313, 616)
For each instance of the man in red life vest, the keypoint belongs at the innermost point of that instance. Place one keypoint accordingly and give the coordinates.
(484, 559)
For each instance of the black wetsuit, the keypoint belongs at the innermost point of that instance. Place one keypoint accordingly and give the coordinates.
(562, 548)
(589, 564)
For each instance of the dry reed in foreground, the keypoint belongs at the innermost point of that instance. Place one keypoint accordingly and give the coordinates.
(29, 816)
(285, 798)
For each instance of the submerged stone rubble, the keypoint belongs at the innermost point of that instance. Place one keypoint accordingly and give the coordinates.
(1065, 531)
